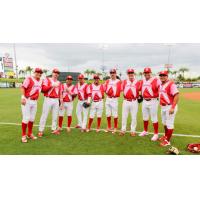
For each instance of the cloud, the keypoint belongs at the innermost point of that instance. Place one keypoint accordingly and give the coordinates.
(78, 57)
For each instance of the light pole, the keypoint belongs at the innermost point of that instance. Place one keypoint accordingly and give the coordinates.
(103, 47)
(15, 57)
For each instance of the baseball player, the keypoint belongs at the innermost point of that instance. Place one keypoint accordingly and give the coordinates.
(149, 91)
(169, 96)
(130, 88)
(96, 91)
(112, 88)
(30, 89)
(82, 92)
(52, 89)
(68, 98)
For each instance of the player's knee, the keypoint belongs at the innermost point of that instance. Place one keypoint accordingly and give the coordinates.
(170, 125)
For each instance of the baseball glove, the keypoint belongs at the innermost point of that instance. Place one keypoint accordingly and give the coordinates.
(194, 148)
(140, 99)
(86, 105)
(173, 150)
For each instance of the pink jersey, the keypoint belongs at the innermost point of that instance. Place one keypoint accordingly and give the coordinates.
(112, 88)
(130, 89)
(96, 92)
(32, 88)
(81, 91)
(49, 90)
(150, 88)
(67, 96)
(167, 92)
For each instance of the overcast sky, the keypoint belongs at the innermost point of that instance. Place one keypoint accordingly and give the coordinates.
(78, 57)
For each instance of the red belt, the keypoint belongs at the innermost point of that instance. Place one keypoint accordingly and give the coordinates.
(130, 99)
(165, 104)
(112, 97)
(97, 100)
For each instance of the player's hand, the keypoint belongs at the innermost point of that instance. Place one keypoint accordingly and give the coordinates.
(171, 111)
(61, 107)
(23, 101)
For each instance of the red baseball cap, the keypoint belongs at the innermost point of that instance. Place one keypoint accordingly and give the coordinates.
(147, 70)
(130, 70)
(55, 70)
(96, 76)
(163, 73)
(38, 70)
(69, 78)
(81, 76)
(113, 70)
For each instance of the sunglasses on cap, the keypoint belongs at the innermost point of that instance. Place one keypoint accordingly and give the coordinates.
(69, 79)
(112, 72)
(130, 72)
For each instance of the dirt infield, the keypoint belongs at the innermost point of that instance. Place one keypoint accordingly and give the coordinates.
(192, 96)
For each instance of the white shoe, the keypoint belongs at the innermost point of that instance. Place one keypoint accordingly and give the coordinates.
(24, 139)
(143, 133)
(32, 137)
(154, 138)
(68, 129)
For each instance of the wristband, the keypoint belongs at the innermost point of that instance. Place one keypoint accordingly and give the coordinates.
(173, 105)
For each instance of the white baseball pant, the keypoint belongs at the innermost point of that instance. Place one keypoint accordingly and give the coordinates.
(50, 104)
(29, 111)
(132, 108)
(82, 121)
(150, 108)
(96, 109)
(167, 119)
(68, 107)
(112, 107)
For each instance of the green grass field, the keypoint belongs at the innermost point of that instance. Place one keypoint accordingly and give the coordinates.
(187, 122)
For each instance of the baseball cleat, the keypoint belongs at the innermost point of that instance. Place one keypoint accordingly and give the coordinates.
(154, 138)
(40, 134)
(97, 130)
(144, 133)
(133, 134)
(24, 139)
(87, 130)
(56, 132)
(122, 133)
(77, 126)
(83, 130)
(32, 137)
(161, 139)
(108, 130)
(68, 129)
(114, 131)
(164, 143)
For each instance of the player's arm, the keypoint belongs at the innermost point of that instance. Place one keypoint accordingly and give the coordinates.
(175, 102)
(89, 94)
(61, 95)
(23, 98)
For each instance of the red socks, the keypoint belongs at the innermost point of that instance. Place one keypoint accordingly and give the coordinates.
(98, 122)
(169, 134)
(24, 126)
(155, 126)
(90, 123)
(146, 124)
(116, 122)
(69, 121)
(60, 121)
(109, 122)
(30, 128)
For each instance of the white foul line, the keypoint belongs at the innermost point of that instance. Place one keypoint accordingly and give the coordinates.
(176, 134)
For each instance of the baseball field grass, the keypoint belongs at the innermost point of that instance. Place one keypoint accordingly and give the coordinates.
(187, 122)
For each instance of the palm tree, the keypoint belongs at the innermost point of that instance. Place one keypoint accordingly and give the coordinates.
(183, 70)
(140, 74)
(175, 73)
(29, 69)
(87, 73)
(22, 72)
(92, 72)
(45, 71)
